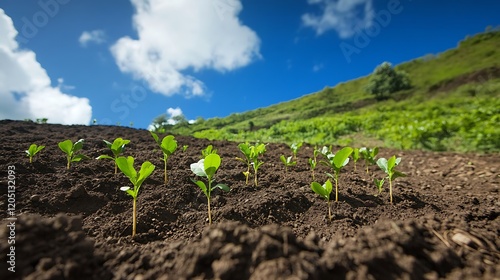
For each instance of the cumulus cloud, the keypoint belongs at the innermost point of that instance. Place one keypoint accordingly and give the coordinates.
(343, 16)
(94, 36)
(178, 37)
(25, 87)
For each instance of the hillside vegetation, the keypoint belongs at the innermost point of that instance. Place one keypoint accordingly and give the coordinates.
(453, 105)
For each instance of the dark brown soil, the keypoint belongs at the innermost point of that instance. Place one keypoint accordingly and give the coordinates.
(76, 224)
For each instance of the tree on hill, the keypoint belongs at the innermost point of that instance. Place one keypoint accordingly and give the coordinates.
(385, 80)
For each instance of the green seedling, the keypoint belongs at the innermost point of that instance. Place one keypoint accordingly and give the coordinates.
(71, 150)
(324, 191)
(117, 147)
(245, 150)
(207, 168)
(33, 150)
(369, 156)
(313, 162)
(168, 146)
(257, 151)
(355, 157)
(208, 151)
(295, 149)
(388, 166)
(251, 159)
(336, 162)
(287, 162)
(379, 184)
(126, 165)
(184, 148)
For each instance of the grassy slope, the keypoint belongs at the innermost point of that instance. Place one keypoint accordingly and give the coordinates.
(350, 100)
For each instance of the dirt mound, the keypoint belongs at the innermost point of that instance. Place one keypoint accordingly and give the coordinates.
(50, 248)
(444, 222)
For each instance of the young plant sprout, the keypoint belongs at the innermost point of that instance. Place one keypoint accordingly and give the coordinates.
(355, 157)
(208, 151)
(184, 148)
(117, 147)
(256, 151)
(313, 162)
(388, 167)
(168, 146)
(251, 154)
(369, 156)
(336, 162)
(70, 150)
(287, 162)
(33, 150)
(126, 165)
(245, 150)
(207, 167)
(324, 191)
(295, 149)
(379, 184)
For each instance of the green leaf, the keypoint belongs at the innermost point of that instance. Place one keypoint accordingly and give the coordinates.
(398, 160)
(129, 191)
(382, 163)
(283, 159)
(323, 190)
(245, 149)
(397, 174)
(261, 148)
(146, 169)
(391, 163)
(66, 146)
(34, 149)
(31, 150)
(342, 157)
(132, 193)
(118, 146)
(79, 157)
(223, 187)
(211, 164)
(374, 152)
(378, 183)
(201, 185)
(355, 154)
(155, 137)
(78, 145)
(108, 144)
(198, 168)
(168, 145)
(328, 187)
(126, 165)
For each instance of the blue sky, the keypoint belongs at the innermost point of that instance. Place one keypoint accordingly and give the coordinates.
(121, 61)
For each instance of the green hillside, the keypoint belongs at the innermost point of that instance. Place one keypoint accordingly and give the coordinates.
(453, 105)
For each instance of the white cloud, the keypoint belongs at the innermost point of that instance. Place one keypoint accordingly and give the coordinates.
(178, 36)
(174, 112)
(25, 87)
(343, 16)
(94, 36)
